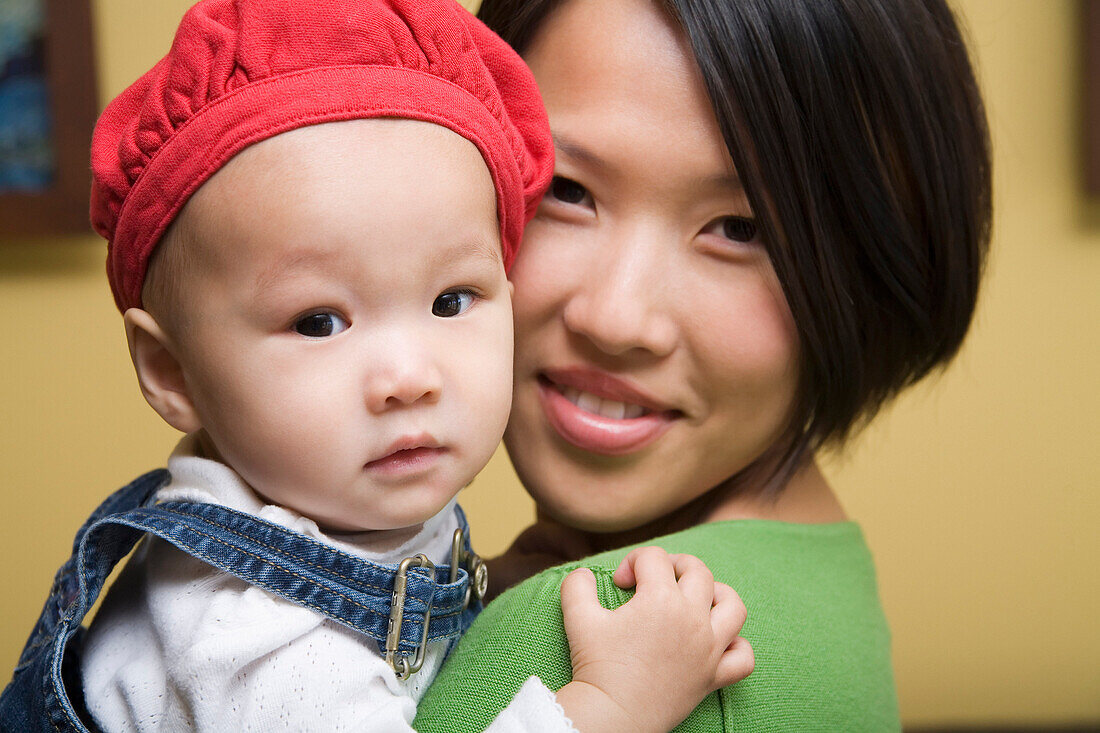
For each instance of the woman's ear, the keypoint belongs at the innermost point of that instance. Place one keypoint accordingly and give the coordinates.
(158, 371)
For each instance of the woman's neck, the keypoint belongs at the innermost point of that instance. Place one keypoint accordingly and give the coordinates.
(805, 499)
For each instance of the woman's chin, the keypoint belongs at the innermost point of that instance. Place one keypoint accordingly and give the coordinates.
(605, 516)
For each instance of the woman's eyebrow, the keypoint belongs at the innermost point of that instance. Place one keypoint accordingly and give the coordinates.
(723, 181)
(727, 182)
(577, 152)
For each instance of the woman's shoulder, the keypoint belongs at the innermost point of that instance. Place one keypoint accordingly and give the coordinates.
(754, 556)
(815, 622)
(739, 541)
(815, 617)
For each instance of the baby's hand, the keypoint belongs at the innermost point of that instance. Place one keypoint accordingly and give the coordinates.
(646, 665)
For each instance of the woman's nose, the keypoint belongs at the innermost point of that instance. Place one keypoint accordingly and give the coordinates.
(622, 302)
(405, 377)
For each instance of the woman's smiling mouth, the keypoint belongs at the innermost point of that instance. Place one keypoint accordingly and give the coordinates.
(597, 412)
(598, 406)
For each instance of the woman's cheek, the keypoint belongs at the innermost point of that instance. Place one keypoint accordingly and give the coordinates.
(552, 259)
(761, 346)
(755, 356)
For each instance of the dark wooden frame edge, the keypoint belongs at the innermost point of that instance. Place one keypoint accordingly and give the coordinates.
(63, 209)
(1091, 43)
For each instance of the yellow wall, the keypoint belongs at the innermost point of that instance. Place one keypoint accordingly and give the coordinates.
(978, 493)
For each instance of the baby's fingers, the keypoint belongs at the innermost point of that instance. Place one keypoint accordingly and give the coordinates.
(644, 565)
(726, 618)
(736, 664)
(728, 614)
(579, 603)
(624, 574)
(695, 580)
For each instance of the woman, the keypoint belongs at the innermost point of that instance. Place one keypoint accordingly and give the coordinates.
(767, 218)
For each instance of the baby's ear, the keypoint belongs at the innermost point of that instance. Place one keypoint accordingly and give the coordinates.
(158, 371)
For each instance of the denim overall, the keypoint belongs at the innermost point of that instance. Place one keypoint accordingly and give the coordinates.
(46, 694)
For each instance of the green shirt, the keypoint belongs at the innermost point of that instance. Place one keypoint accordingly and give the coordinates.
(815, 623)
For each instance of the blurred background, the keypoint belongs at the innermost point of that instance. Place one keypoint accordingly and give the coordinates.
(978, 490)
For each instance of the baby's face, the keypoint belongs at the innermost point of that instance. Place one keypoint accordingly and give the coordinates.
(349, 347)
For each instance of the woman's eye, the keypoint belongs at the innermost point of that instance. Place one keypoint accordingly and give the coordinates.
(320, 325)
(452, 303)
(567, 191)
(738, 228)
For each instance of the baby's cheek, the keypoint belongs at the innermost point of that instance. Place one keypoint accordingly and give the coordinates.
(275, 434)
(485, 384)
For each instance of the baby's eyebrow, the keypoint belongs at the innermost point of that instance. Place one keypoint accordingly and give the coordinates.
(316, 259)
(477, 245)
(291, 261)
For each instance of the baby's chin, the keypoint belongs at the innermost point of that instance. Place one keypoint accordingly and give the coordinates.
(379, 540)
(378, 525)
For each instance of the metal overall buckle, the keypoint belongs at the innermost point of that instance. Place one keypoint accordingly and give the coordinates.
(475, 568)
(477, 586)
(401, 665)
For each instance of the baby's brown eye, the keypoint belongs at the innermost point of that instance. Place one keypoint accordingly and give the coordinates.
(452, 303)
(320, 325)
(739, 228)
(567, 191)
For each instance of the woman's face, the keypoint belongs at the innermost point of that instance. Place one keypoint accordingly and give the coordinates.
(655, 354)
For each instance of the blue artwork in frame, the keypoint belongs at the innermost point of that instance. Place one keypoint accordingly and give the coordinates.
(48, 106)
(27, 157)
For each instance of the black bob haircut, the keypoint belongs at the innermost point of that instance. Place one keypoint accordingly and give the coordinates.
(858, 131)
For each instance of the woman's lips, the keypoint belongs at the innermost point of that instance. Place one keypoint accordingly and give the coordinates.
(600, 424)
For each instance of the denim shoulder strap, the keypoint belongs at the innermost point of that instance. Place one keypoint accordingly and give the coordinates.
(347, 589)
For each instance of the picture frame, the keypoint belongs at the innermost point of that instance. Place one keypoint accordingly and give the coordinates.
(61, 54)
(1091, 89)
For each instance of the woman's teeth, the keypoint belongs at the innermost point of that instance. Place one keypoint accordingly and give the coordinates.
(605, 408)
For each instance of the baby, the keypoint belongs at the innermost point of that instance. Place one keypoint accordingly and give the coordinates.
(310, 209)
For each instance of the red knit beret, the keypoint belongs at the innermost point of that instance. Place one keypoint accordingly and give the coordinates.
(241, 71)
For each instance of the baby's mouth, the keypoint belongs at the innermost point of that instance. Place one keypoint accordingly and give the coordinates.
(410, 454)
(405, 456)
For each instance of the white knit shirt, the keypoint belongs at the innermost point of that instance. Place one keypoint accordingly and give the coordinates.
(181, 646)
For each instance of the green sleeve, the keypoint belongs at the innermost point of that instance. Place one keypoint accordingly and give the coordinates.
(815, 623)
(518, 635)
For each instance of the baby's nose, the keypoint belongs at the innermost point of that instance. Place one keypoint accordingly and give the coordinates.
(404, 382)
